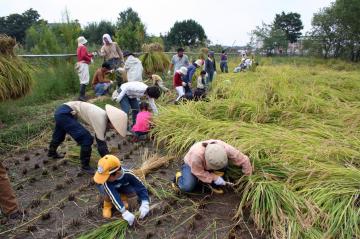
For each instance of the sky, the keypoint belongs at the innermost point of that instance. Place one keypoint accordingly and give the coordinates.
(225, 22)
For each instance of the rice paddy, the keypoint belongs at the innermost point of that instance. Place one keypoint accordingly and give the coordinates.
(299, 124)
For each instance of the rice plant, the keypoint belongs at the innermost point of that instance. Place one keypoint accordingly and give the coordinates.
(154, 60)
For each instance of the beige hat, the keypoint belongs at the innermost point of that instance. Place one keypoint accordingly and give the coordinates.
(199, 62)
(215, 157)
(82, 40)
(183, 70)
(118, 119)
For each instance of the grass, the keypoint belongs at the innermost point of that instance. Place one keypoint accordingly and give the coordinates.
(299, 125)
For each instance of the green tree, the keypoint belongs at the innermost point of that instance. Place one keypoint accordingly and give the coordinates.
(290, 23)
(130, 31)
(273, 39)
(15, 25)
(186, 33)
(94, 31)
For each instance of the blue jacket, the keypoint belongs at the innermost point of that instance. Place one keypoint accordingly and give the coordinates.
(128, 178)
(190, 72)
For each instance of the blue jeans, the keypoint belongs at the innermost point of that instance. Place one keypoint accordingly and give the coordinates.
(101, 88)
(128, 104)
(209, 77)
(224, 66)
(187, 181)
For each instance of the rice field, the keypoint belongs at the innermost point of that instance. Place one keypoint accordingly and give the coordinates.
(299, 122)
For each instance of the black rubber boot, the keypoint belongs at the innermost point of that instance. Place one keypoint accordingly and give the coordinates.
(52, 153)
(85, 154)
(82, 92)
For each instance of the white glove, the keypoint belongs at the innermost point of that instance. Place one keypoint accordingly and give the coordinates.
(220, 181)
(169, 72)
(111, 82)
(129, 217)
(115, 95)
(144, 209)
(183, 84)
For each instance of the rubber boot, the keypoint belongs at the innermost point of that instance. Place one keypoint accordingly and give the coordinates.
(85, 154)
(174, 184)
(124, 199)
(82, 92)
(107, 209)
(52, 153)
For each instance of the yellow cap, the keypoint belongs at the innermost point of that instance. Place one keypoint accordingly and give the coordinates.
(106, 166)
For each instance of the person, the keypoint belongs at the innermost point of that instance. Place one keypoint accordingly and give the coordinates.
(245, 64)
(100, 82)
(178, 82)
(143, 118)
(8, 202)
(82, 66)
(223, 62)
(179, 60)
(113, 55)
(206, 161)
(98, 119)
(210, 67)
(129, 93)
(133, 67)
(187, 79)
(116, 183)
(157, 81)
(200, 91)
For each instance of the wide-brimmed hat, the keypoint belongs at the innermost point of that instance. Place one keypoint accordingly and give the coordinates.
(82, 40)
(215, 157)
(107, 165)
(118, 119)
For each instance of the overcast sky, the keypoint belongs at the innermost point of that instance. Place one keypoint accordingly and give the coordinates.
(224, 21)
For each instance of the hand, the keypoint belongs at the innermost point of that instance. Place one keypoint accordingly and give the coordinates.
(144, 209)
(129, 217)
(169, 72)
(115, 95)
(183, 84)
(95, 53)
(220, 181)
(111, 82)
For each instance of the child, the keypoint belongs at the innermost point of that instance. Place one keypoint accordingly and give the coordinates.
(115, 184)
(200, 90)
(178, 82)
(142, 125)
(100, 83)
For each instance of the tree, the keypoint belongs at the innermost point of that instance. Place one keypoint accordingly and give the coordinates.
(186, 33)
(273, 39)
(130, 31)
(291, 24)
(94, 31)
(15, 25)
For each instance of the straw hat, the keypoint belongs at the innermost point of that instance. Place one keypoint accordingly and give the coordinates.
(118, 119)
(82, 40)
(215, 157)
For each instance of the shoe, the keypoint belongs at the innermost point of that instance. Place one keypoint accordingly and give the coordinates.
(81, 98)
(88, 169)
(174, 183)
(55, 155)
(107, 209)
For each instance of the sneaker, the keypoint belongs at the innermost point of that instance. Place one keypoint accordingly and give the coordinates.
(88, 169)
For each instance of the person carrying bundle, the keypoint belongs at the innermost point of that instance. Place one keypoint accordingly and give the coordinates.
(116, 184)
(66, 122)
(206, 162)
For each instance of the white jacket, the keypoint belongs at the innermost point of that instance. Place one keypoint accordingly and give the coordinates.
(134, 69)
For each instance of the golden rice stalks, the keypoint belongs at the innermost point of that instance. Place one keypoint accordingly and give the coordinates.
(151, 163)
(152, 47)
(7, 45)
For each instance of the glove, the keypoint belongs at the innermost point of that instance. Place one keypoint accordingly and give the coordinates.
(144, 209)
(183, 84)
(111, 82)
(95, 53)
(115, 95)
(129, 217)
(220, 181)
(169, 72)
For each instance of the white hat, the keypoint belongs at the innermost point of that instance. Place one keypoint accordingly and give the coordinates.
(199, 62)
(183, 70)
(82, 40)
(118, 119)
(215, 157)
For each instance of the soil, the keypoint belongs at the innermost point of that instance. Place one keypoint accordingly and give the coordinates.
(61, 202)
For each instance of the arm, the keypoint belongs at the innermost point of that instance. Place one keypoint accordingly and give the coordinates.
(138, 186)
(153, 105)
(238, 158)
(102, 51)
(95, 79)
(115, 197)
(122, 94)
(85, 55)
(186, 61)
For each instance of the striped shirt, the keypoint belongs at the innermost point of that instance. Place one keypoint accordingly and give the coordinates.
(127, 178)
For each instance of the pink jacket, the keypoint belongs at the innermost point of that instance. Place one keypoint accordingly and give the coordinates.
(142, 122)
(195, 158)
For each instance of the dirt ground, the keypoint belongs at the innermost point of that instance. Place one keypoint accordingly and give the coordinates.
(61, 202)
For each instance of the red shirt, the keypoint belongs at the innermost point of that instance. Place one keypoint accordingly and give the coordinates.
(83, 55)
(177, 79)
